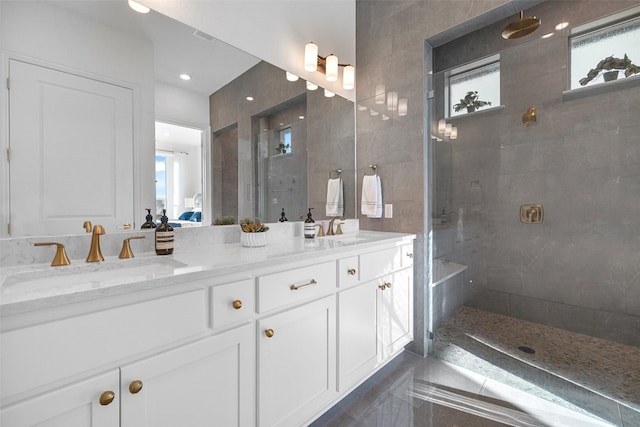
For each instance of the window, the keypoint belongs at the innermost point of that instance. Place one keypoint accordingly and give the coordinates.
(596, 42)
(284, 146)
(481, 78)
(161, 183)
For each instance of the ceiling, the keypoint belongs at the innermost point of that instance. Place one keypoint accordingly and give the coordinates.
(275, 30)
(233, 35)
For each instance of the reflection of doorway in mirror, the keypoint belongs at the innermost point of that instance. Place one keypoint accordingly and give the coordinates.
(179, 174)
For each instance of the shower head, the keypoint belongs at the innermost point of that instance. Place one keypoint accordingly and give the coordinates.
(521, 27)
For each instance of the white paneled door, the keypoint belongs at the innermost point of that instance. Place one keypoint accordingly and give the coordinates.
(71, 143)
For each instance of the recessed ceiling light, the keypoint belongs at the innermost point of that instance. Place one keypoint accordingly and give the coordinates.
(185, 77)
(362, 107)
(138, 7)
(249, 98)
(546, 36)
(562, 26)
(301, 117)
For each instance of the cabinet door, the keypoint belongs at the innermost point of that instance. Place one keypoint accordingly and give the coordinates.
(357, 333)
(206, 383)
(395, 321)
(296, 363)
(77, 405)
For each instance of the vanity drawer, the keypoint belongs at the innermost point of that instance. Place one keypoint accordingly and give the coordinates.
(292, 286)
(378, 263)
(38, 355)
(232, 303)
(348, 271)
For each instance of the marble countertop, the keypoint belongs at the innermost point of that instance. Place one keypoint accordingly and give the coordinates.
(30, 287)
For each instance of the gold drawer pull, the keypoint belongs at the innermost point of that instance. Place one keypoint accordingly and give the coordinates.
(237, 304)
(311, 283)
(351, 271)
(135, 386)
(269, 333)
(107, 397)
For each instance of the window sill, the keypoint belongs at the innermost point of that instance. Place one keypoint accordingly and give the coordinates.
(482, 112)
(600, 88)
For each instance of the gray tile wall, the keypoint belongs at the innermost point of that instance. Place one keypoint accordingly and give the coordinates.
(579, 269)
(330, 134)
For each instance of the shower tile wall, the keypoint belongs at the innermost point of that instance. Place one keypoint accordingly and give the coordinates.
(578, 270)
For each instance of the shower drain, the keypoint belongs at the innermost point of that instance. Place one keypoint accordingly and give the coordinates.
(526, 349)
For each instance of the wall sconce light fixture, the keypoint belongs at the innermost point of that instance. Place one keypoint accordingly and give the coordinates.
(447, 130)
(329, 66)
(402, 106)
(530, 116)
(380, 94)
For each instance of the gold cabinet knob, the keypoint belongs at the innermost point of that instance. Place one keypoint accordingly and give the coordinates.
(237, 304)
(107, 397)
(410, 254)
(382, 287)
(351, 271)
(388, 285)
(269, 333)
(135, 386)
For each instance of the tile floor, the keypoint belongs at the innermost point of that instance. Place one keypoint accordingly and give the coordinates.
(427, 392)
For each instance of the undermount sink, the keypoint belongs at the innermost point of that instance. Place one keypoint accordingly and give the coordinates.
(103, 274)
(345, 240)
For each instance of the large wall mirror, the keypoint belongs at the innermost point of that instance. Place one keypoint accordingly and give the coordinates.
(106, 41)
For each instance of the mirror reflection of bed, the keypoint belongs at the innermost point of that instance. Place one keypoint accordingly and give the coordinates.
(192, 215)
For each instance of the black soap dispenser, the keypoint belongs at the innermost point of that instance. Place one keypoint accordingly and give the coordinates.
(283, 217)
(149, 220)
(164, 236)
(309, 226)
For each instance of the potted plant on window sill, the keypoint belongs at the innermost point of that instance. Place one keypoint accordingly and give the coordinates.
(282, 148)
(610, 67)
(470, 102)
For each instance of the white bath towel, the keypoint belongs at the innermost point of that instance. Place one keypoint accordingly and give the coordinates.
(335, 197)
(371, 196)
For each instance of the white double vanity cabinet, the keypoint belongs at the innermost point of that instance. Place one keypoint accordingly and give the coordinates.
(230, 336)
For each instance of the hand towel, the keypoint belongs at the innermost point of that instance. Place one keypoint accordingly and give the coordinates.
(335, 197)
(371, 196)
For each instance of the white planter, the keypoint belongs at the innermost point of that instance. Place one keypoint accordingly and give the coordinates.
(253, 240)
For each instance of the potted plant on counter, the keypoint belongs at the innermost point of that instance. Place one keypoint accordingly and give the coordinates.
(254, 233)
(470, 102)
(610, 67)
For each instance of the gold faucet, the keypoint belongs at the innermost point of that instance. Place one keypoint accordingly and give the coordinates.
(320, 230)
(126, 251)
(95, 254)
(330, 231)
(61, 255)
